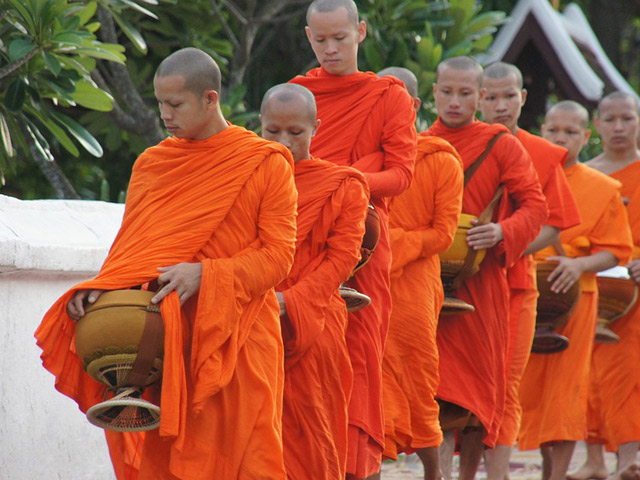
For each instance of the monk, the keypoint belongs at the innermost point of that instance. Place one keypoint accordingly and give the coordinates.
(502, 103)
(554, 387)
(422, 222)
(473, 346)
(368, 124)
(332, 205)
(210, 213)
(614, 394)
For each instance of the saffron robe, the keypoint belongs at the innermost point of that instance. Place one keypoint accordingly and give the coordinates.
(332, 207)
(229, 203)
(614, 396)
(554, 387)
(548, 160)
(422, 223)
(473, 346)
(368, 124)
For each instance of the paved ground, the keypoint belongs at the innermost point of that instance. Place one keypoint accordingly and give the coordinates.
(524, 466)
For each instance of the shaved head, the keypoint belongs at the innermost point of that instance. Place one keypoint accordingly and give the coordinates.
(324, 6)
(200, 71)
(619, 95)
(405, 75)
(501, 70)
(288, 92)
(461, 63)
(571, 107)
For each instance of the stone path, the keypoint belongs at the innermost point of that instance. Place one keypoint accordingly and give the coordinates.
(524, 466)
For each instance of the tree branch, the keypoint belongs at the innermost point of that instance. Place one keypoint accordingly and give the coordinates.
(235, 11)
(225, 25)
(16, 64)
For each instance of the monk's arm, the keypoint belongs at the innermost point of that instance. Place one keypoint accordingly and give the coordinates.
(398, 146)
(548, 235)
(266, 264)
(342, 247)
(440, 176)
(520, 180)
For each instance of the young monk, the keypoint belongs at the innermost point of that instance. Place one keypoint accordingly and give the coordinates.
(554, 387)
(473, 346)
(502, 103)
(211, 214)
(332, 205)
(614, 393)
(422, 223)
(368, 124)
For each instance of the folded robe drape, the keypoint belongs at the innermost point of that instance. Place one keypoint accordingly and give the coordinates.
(614, 395)
(228, 202)
(554, 388)
(368, 124)
(473, 346)
(422, 223)
(548, 160)
(332, 206)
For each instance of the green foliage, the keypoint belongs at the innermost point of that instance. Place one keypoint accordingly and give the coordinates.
(419, 34)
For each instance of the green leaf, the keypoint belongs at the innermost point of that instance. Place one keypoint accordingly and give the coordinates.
(92, 27)
(68, 37)
(104, 190)
(57, 132)
(39, 141)
(87, 12)
(373, 56)
(140, 8)
(19, 48)
(132, 34)
(101, 54)
(88, 141)
(52, 63)
(6, 136)
(92, 97)
(14, 98)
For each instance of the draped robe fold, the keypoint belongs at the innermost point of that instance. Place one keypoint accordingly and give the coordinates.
(554, 387)
(548, 160)
(368, 124)
(422, 223)
(614, 394)
(228, 202)
(473, 346)
(332, 206)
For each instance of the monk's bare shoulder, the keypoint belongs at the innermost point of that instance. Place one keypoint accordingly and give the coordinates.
(598, 162)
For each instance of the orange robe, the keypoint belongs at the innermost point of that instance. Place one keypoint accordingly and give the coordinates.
(554, 387)
(548, 160)
(368, 124)
(332, 207)
(229, 203)
(614, 396)
(422, 223)
(473, 346)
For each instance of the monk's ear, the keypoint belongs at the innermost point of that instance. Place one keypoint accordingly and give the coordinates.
(316, 126)
(587, 136)
(307, 30)
(362, 31)
(435, 87)
(524, 96)
(212, 97)
(416, 103)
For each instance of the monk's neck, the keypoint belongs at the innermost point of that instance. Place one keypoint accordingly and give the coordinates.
(621, 157)
(570, 162)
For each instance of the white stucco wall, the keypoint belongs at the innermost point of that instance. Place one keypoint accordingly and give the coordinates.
(46, 246)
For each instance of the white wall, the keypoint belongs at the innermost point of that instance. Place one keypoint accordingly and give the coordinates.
(46, 247)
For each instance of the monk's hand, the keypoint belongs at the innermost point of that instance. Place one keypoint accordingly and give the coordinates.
(634, 270)
(184, 278)
(283, 307)
(75, 306)
(565, 274)
(484, 236)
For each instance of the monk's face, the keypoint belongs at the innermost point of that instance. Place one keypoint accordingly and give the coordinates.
(618, 124)
(289, 124)
(185, 114)
(565, 128)
(334, 39)
(456, 94)
(502, 101)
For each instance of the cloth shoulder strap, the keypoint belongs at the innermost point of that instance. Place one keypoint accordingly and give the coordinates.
(468, 173)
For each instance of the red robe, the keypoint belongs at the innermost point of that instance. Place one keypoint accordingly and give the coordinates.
(473, 346)
(614, 396)
(422, 223)
(228, 202)
(548, 160)
(367, 123)
(332, 205)
(554, 387)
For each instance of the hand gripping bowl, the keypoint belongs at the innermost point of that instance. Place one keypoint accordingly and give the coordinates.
(456, 264)
(354, 299)
(554, 310)
(120, 341)
(617, 293)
